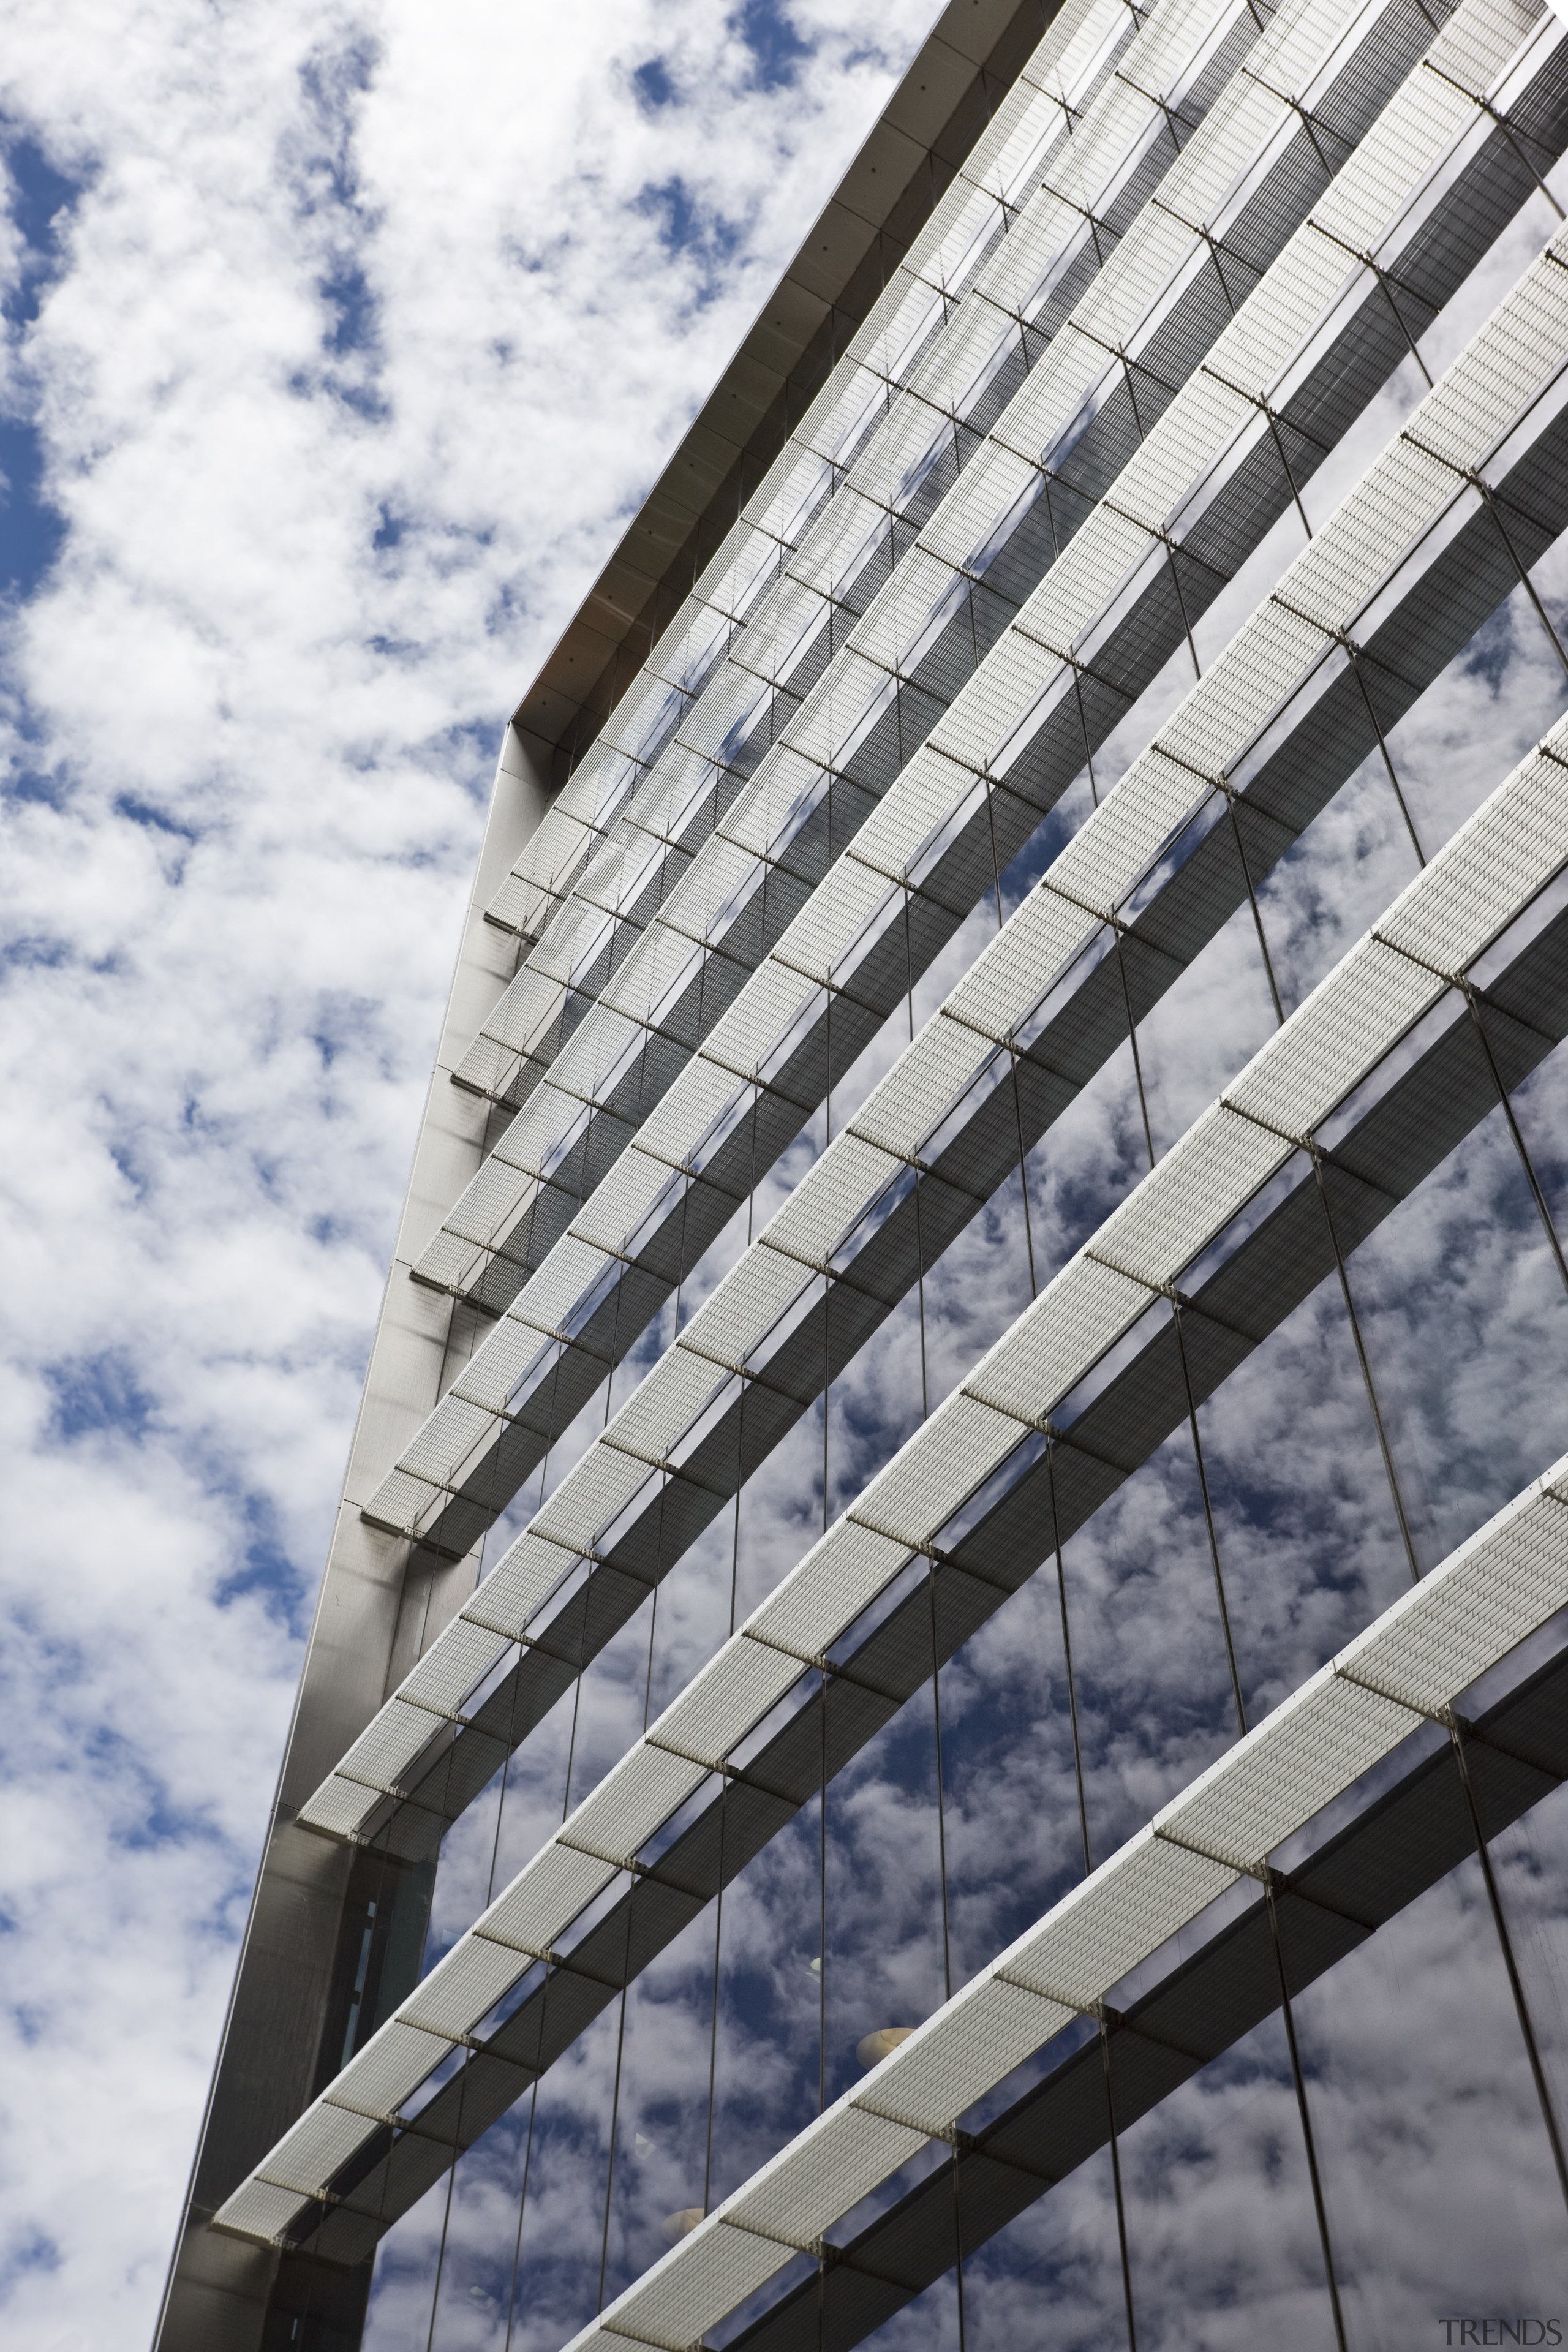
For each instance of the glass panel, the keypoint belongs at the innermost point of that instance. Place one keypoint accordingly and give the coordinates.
(1438, 2180)
(661, 2134)
(1086, 1163)
(980, 1284)
(781, 1511)
(1222, 2234)
(1154, 1698)
(561, 2243)
(877, 1402)
(884, 1963)
(1011, 1812)
(478, 2243)
(1306, 1522)
(1060, 2257)
(536, 1781)
(1205, 1028)
(692, 1611)
(1530, 1863)
(1466, 1323)
(403, 2283)
(770, 1993)
(1478, 718)
(1338, 877)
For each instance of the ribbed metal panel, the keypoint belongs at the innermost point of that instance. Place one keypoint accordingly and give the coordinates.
(855, 390)
(1263, 665)
(545, 1895)
(922, 1087)
(448, 1263)
(1109, 854)
(832, 1194)
(731, 1694)
(709, 887)
(1014, 144)
(388, 1746)
(1362, 1008)
(341, 1808)
(839, 1577)
(682, 1119)
(488, 1204)
(993, 2024)
(320, 2145)
(528, 1144)
(1231, 162)
(833, 707)
(1511, 1576)
(1074, 1318)
(817, 2178)
(556, 849)
(450, 1434)
(989, 487)
(1027, 955)
(827, 927)
(663, 1406)
(997, 698)
(902, 313)
(1297, 301)
(835, 547)
(763, 1012)
(1296, 1761)
(785, 784)
(1189, 1194)
(652, 969)
(923, 1485)
(444, 1676)
(1492, 383)
(567, 1275)
(739, 690)
(949, 262)
(798, 476)
(730, 576)
(1127, 1909)
(593, 1055)
(722, 2264)
(463, 1988)
(926, 793)
(644, 716)
(400, 1502)
(622, 1199)
(902, 610)
(497, 1365)
(526, 1003)
(521, 1582)
(1047, 234)
(945, 378)
(635, 1799)
(602, 1483)
(1491, 867)
(258, 2210)
(690, 643)
(388, 2070)
(746, 1304)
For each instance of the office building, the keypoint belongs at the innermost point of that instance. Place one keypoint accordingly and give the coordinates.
(938, 1710)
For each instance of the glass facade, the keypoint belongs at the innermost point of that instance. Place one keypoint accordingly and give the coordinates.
(1329, 2109)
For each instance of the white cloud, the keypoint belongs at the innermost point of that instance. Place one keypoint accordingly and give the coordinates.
(331, 274)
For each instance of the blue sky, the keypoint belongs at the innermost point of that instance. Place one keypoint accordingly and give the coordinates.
(328, 382)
